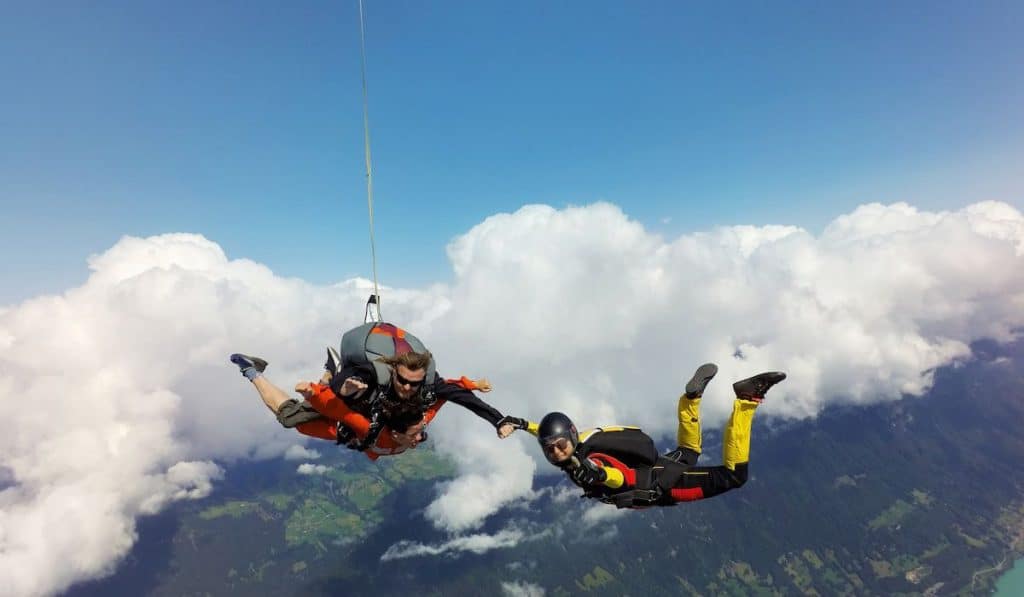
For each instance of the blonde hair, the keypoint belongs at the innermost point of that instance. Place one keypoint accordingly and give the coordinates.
(411, 360)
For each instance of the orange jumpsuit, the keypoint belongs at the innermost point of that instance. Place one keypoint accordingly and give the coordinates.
(327, 403)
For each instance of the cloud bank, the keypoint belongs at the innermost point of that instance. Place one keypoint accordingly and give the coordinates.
(120, 398)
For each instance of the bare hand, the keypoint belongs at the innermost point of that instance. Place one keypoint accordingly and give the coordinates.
(506, 430)
(483, 384)
(305, 388)
(351, 386)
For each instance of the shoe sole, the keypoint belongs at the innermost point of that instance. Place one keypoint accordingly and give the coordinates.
(753, 389)
(700, 378)
(245, 361)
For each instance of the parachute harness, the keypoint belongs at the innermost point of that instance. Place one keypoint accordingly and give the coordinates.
(375, 299)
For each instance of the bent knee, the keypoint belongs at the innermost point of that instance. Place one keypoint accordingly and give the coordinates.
(739, 475)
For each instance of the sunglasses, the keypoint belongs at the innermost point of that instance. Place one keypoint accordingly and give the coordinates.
(407, 382)
(560, 443)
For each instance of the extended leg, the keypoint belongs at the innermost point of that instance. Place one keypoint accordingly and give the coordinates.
(290, 412)
(704, 482)
(701, 482)
(271, 395)
(688, 434)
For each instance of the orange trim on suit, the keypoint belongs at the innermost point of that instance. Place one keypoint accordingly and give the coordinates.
(327, 403)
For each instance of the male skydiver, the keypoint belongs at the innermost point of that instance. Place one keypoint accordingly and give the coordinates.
(399, 423)
(621, 466)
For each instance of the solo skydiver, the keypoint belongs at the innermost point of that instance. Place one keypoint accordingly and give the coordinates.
(621, 466)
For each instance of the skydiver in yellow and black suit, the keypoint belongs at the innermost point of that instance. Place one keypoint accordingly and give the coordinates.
(621, 466)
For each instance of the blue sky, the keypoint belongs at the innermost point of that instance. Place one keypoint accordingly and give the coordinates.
(242, 121)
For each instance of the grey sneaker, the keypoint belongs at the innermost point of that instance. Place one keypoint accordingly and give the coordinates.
(699, 381)
(245, 361)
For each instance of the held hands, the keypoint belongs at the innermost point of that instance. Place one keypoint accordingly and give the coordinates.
(588, 473)
(506, 425)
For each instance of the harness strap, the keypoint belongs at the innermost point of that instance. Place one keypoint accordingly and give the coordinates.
(634, 498)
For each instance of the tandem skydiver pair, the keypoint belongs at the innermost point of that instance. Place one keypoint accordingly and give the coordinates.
(379, 393)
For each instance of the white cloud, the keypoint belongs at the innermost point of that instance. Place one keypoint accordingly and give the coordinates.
(580, 310)
(298, 452)
(620, 317)
(476, 543)
(522, 589)
(493, 473)
(599, 514)
(307, 468)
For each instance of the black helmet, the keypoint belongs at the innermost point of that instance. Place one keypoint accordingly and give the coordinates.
(555, 426)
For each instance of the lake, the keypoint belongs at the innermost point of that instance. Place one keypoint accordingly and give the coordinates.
(1011, 584)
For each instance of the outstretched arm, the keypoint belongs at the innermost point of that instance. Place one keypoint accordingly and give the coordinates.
(323, 399)
(459, 394)
(517, 423)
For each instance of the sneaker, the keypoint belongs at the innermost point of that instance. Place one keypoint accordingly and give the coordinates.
(333, 364)
(754, 388)
(245, 361)
(699, 381)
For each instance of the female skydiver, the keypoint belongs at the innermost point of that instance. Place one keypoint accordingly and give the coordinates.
(621, 466)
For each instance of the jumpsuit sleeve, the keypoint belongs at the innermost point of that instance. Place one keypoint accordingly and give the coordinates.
(467, 399)
(614, 479)
(617, 473)
(320, 428)
(327, 403)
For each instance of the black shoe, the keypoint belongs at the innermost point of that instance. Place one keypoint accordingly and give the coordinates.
(333, 364)
(754, 388)
(245, 361)
(699, 381)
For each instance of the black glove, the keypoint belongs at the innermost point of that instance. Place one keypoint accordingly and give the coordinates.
(376, 426)
(514, 421)
(349, 439)
(588, 473)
